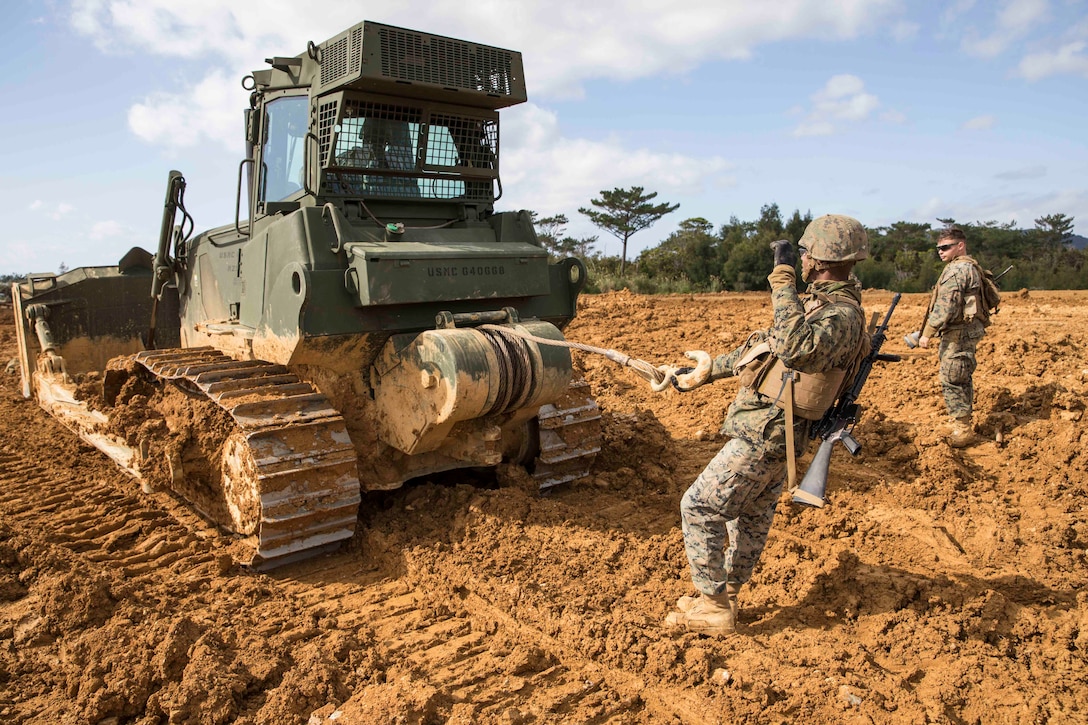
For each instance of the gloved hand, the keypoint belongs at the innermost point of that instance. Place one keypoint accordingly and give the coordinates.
(686, 379)
(784, 252)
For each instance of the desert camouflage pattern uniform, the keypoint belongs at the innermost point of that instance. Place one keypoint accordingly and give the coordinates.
(734, 499)
(959, 337)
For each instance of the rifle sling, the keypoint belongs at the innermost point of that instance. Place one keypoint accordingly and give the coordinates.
(791, 454)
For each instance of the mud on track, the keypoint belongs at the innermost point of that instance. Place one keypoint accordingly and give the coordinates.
(942, 586)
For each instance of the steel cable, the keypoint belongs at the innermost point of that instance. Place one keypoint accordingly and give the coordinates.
(643, 368)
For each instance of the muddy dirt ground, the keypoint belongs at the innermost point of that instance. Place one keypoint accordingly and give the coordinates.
(941, 586)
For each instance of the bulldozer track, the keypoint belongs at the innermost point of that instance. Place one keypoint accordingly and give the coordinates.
(297, 465)
(570, 437)
(459, 650)
(97, 521)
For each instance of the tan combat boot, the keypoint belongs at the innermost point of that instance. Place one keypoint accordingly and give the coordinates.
(708, 613)
(961, 433)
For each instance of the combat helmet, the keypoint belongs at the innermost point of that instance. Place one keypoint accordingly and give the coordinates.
(835, 238)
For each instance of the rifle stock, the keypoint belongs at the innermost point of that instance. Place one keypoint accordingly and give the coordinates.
(811, 492)
(838, 422)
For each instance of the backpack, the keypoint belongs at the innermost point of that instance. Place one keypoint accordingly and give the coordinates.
(988, 297)
(991, 295)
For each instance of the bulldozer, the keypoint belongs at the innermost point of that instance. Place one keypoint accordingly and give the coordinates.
(367, 318)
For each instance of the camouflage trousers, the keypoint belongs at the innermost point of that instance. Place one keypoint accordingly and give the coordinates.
(727, 513)
(958, 363)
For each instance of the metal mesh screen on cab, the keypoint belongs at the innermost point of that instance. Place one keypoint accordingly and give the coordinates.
(406, 152)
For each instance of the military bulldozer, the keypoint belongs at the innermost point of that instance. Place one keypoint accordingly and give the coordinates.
(367, 317)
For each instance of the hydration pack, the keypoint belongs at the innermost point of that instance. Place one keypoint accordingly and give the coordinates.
(988, 296)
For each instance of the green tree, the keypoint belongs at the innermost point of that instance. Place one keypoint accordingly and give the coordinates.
(899, 256)
(990, 242)
(748, 243)
(688, 252)
(797, 224)
(887, 242)
(624, 212)
(748, 266)
(548, 230)
(732, 233)
(580, 247)
(1053, 230)
(770, 226)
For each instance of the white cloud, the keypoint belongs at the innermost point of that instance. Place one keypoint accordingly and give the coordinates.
(84, 17)
(53, 211)
(1069, 58)
(1022, 13)
(607, 38)
(202, 29)
(17, 256)
(632, 39)
(564, 42)
(843, 98)
(558, 174)
(953, 11)
(979, 123)
(208, 109)
(1023, 209)
(814, 128)
(1037, 171)
(903, 30)
(108, 229)
(1014, 20)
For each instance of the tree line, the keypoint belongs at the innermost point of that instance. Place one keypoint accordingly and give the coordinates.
(697, 257)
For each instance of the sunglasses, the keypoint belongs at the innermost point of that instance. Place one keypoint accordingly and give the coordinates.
(945, 247)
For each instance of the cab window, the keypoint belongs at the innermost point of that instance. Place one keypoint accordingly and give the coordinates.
(283, 153)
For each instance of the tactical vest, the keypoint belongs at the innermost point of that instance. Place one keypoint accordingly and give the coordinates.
(813, 393)
(979, 301)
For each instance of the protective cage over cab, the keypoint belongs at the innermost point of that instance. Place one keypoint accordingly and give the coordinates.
(410, 115)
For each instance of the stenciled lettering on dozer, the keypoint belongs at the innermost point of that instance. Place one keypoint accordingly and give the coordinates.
(483, 270)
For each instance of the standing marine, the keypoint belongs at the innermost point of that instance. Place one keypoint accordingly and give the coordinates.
(958, 315)
(792, 371)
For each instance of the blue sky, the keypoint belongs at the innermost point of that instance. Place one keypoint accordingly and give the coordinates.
(886, 110)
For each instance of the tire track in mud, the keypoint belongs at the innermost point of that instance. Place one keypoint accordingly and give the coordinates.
(459, 646)
(97, 521)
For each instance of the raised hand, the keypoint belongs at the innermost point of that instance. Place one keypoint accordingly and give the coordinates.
(784, 252)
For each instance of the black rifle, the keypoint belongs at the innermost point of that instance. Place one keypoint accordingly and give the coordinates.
(838, 422)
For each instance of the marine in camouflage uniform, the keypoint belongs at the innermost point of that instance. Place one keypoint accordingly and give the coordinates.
(727, 512)
(951, 317)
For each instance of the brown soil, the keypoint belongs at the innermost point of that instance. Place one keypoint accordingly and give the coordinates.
(940, 586)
